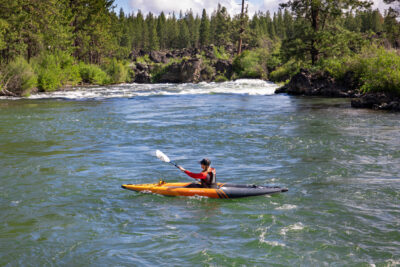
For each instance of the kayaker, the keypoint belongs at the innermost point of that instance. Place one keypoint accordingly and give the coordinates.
(207, 177)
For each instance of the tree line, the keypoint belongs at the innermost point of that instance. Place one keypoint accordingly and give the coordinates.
(92, 30)
(50, 44)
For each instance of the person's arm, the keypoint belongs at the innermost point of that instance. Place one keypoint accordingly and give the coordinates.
(201, 175)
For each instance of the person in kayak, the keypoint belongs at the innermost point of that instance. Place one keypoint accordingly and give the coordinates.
(207, 177)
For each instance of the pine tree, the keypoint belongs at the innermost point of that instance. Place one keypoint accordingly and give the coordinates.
(153, 42)
(193, 32)
(312, 19)
(222, 30)
(162, 30)
(204, 29)
(184, 39)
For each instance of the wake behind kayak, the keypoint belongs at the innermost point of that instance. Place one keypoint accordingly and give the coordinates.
(222, 190)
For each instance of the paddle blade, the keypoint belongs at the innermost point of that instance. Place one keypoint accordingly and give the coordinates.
(162, 156)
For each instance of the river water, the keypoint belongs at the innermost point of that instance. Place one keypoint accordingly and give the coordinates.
(63, 157)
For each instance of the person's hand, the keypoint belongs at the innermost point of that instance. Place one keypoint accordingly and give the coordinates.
(182, 169)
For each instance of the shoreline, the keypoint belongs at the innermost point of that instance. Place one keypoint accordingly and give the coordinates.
(304, 83)
(321, 84)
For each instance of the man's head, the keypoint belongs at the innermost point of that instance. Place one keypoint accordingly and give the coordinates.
(205, 163)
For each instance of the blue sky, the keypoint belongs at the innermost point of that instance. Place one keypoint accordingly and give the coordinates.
(233, 6)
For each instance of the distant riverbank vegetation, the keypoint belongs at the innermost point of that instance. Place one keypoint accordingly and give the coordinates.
(60, 43)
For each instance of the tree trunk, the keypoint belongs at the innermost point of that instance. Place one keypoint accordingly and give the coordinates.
(315, 26)
(241, 30)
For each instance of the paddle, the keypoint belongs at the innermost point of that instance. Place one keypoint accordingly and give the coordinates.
(165, 158)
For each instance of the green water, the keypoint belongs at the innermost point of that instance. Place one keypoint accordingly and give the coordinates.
(62, 163)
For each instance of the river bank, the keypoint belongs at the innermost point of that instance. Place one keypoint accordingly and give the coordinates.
(322, 84)
(209, 64)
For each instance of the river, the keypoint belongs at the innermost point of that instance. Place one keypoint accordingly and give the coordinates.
(63, 157)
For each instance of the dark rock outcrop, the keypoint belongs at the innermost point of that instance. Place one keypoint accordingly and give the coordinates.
(142, 73)
(158, 57)
(315, 84)
(142, 77)
(378, 101)
(187, 71)
(224, 67)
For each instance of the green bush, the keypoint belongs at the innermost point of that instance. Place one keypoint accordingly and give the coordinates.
(380, 72)
(93, 74)
(55, 70)
(220, 53)
(117, 71)
(285, 72)
(19, 77)
(49, 79)
(375, 69)
(144, 59)
(220, 78)
(250, 64)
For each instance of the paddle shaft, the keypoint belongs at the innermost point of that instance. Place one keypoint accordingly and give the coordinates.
(173, 163)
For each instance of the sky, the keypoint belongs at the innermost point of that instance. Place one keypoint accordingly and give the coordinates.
(233, 6)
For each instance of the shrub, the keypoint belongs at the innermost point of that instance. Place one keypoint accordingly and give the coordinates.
(375, 69)
(117, 71)
(250, 64)
(380, 72)
(285, 72)
(56, 70)
(220, 53)
(19, 77)
(49, 79)
(220, 78)
(144, 59)
(93, 74)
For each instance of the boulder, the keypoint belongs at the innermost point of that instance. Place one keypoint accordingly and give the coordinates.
(142, 66)
(207, 74)
(224, 67)
(142, 77)
(183, 72)
(315, 84)
(157, 57)
(379, 101)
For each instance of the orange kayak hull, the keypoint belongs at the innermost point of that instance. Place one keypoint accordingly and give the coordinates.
(221, 191)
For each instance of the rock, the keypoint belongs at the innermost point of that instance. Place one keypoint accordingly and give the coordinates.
(379, 101)
(142, 77)
(315, 84)
(142, 66)
(207, 74)
(157, 57)
(209, 52)
(183, 72)
(224, 67)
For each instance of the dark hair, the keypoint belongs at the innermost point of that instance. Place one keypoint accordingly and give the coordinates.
(205, 162)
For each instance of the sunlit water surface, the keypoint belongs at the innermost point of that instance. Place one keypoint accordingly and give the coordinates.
(63, 157)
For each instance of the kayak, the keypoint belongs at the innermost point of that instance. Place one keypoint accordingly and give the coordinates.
(222, 190)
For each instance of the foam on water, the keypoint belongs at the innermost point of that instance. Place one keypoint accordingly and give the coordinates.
(287, 207)
(241, 86)
(294, 227)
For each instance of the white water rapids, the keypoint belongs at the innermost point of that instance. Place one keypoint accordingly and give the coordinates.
(241, 86)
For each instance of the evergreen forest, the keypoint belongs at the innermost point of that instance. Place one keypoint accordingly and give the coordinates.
(47, 45)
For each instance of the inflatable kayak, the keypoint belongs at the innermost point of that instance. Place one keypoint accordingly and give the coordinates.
(193, 189)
